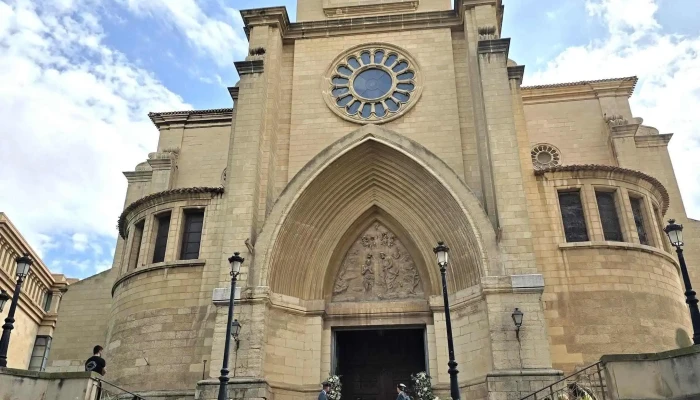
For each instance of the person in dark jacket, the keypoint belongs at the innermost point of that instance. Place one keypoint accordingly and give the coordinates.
(324, 392)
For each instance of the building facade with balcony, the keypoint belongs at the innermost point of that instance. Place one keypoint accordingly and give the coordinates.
(37, 309)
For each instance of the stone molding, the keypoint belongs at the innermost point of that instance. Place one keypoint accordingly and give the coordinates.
(609, 172)
(249, 67)
(268, 16)
(339, 9)
(621, 246)
(138, 176)
(478, 255)
(494, 46)
(163, 197)
(653, 141)
(582, 90)
(233, 92)
(517, 72)
(160, 119)
(156, 267)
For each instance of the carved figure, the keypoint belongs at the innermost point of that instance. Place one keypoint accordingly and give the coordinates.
(367, 274)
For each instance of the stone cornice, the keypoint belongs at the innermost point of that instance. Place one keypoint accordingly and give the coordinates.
(517, 72)
(494, 46)
(624, 130)
(249, 67)
(233, 92)
(160, 119)
(138, 176)
(156, 267)
(168, 195)
(653, 141)
(609, 172)
(269, 16)
(615, 87)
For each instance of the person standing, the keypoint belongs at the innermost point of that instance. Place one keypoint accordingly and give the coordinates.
(96, 363)
(401, 390)
(324, 392)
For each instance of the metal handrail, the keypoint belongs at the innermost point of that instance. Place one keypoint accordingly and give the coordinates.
(593, 369)
(100, 381)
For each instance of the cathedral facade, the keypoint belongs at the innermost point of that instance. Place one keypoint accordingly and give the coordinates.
(359, 137)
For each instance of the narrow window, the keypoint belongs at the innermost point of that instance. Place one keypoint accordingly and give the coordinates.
(608, 216)
(47, 301)
(572, 216)
(40, 353)
(136, 245)
(163, 221)
(637, 211)
(192, 234)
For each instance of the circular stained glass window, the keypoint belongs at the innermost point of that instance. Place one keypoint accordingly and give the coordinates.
(372, 84)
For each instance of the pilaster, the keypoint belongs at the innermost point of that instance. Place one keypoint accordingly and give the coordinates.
(251, 157)
(507, 151)
(473, 17)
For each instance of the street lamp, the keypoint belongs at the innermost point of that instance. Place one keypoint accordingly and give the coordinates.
(441, 252)
(24, 264)
(236, 260)
(518, 321)
(675, 235)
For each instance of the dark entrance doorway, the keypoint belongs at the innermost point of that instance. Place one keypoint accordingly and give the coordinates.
(372, 362)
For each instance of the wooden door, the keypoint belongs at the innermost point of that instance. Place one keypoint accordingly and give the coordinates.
(373, 362)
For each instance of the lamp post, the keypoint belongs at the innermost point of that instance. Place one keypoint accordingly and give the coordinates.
(675, 235)
(24, 263)
(441, 252)
(236, 260)
(518, 321)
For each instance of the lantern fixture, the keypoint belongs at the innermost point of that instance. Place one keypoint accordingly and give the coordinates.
(236, 260)
(441, 252)
(518, 321)
(4, 297)
(24, 263)
(235, 330)
(674, 232)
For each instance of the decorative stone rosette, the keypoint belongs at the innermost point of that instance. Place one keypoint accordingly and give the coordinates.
(545, 155)
(372, 83)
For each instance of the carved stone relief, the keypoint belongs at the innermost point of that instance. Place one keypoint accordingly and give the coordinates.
(377, 267)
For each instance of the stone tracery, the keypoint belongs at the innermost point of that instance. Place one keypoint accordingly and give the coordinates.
(377, 267)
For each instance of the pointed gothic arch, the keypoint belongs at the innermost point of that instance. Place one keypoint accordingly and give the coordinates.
(372, 169)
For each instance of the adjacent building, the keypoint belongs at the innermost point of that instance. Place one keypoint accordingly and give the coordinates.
(36, 314)
(359, 137)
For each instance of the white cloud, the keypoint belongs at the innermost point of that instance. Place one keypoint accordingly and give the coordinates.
(80, 241)
(74, 115)
(218, 36)
(668, 65)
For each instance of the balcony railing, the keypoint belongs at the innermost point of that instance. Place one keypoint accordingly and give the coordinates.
(586, 384)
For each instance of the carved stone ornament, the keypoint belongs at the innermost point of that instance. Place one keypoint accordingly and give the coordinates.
(377, 267)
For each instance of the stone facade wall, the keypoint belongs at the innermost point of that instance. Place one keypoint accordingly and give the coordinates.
(83, 324)
(157, 324)
(433, 121)
(203, 155)
(576, 128)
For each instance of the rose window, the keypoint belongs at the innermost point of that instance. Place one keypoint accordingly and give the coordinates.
(374, 84)
(545, 155)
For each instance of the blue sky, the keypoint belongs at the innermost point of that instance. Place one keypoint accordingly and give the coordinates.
(80, 76)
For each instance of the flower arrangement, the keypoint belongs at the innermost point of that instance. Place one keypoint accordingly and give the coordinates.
(336, 387)
(422, 389)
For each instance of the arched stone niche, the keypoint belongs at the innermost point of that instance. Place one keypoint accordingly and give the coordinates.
(368, 170)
